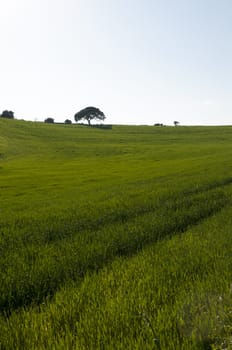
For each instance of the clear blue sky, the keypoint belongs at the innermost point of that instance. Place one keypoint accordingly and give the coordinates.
(140, 62)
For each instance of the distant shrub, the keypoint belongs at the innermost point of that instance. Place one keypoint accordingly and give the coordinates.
(68, 121)
(7, 114)
(98, 126)
(158, 124)
(49, 120)
(102, 126)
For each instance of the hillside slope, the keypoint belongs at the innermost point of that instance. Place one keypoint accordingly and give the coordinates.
(83, 209)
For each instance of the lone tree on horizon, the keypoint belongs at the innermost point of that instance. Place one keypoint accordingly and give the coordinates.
(89, 113)
(176, 122)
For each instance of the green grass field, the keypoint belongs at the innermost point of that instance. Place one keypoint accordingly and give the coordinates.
(115, 239)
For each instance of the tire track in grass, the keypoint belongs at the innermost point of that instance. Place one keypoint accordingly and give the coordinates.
(51, 228)
(30, 280)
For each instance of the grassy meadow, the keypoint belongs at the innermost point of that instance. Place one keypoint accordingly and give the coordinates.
(115, 239)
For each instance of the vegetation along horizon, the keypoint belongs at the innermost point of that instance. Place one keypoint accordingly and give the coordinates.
(115, 238)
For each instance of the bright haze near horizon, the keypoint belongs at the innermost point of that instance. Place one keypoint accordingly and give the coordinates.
(140, 62)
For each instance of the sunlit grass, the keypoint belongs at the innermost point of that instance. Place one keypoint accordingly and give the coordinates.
(115, 239)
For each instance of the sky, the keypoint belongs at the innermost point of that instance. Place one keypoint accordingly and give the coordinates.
(139, 61)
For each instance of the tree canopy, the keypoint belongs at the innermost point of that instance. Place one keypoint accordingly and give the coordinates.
(89, 113)
(49, 120)
(7, 114)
